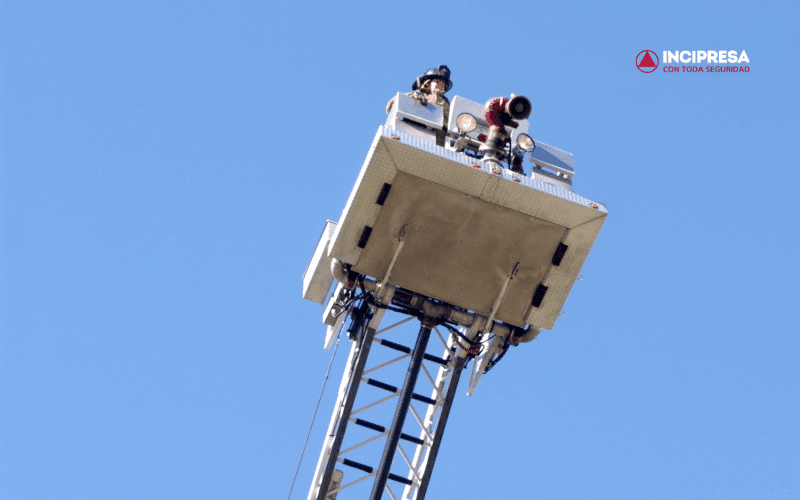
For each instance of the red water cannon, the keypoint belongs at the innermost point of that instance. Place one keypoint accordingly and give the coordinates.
(499, 113)
(502, 112)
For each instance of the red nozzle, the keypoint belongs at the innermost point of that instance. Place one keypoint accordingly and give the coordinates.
(494, 111)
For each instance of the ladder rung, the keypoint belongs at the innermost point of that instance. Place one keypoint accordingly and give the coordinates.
(391, 388)
(392, 345)
(424, 399)
(412, 439)
(406, 350)
(436, 359)
(381, 385)
(400, 479)
(368, 425)
(356, 465)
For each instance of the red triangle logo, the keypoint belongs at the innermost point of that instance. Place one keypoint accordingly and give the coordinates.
(647, 61)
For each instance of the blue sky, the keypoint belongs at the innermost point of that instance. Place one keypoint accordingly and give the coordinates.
(166, 170)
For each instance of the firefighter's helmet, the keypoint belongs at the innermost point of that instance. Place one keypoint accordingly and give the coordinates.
(442, 72)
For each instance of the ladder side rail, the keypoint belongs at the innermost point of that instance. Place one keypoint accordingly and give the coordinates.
(383, 470)
(344, 415)
(355, 350)
(430, 459)
(341, 416)
(439, 392)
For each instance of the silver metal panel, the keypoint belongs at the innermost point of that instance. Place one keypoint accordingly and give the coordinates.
(317, 279)
(466, 228)
(551, 157)
(429, 115)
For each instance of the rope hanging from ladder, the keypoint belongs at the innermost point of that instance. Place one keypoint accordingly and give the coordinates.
(314, 418)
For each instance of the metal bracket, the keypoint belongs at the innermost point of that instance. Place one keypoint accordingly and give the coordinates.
(480, 364)
(334, 313)
(503, 289)
(381, 291)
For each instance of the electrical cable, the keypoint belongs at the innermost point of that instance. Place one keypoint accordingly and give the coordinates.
(455, 331)
(472, 350)
(336, 348)
(347, 305)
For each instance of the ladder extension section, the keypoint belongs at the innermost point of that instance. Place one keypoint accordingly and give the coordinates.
(431, 422)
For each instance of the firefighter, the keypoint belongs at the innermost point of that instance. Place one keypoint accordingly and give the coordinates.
(430, 87)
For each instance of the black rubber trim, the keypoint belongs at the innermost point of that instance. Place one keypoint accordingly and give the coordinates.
(558, 256)
(383, 194)
(538, 296)
(362, 242)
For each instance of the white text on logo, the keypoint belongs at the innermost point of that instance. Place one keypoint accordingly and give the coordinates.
(700, 56)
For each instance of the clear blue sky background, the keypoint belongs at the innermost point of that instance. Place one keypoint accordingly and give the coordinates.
(166, 169)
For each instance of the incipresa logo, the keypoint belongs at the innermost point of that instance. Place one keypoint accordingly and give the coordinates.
(645, 62)
(692, 61)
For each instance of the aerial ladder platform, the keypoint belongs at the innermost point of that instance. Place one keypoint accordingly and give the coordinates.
(445, 256)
